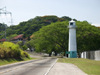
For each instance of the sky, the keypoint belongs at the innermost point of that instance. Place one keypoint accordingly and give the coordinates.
(23, 10)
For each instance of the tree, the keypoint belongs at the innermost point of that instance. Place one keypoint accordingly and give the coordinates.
(11, 36)
(24, 35)
(66, 17)
(30, 44)
(24, 47)
(20, 43)
(32, 25)
(54, 37)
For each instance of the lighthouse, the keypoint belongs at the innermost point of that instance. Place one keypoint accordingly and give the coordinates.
(72, 40)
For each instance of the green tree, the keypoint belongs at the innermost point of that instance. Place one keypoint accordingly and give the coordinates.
(24, 47)
(33, 25)
(20, 43)
(30, 44)
(54, 37)
(11, 36)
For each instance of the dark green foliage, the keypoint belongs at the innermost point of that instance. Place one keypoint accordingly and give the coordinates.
(2, 27)
(28, 38)
(67, 18)
(88, 37)
(24, 35)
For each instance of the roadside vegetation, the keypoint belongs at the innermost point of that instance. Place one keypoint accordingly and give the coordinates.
(11, 53)
(11, 50)
(13, 60)
(91, 67)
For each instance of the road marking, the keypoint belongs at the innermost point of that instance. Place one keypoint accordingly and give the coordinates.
(51, 67)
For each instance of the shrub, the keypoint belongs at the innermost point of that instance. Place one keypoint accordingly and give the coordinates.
(11, 50)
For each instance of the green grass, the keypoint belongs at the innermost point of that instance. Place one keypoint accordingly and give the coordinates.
(13, 60)
(91, 67)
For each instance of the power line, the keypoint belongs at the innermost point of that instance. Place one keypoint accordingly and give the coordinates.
(4, 11)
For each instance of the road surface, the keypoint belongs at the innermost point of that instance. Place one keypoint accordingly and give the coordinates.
(39, 67)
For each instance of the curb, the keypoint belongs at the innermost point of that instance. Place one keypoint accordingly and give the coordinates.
(50, 67)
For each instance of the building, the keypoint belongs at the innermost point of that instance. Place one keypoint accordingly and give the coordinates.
(18, 38)
(2, 40)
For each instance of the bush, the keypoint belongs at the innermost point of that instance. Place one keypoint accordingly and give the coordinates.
(11, 50)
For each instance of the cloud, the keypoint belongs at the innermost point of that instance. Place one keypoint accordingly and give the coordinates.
(97, 25)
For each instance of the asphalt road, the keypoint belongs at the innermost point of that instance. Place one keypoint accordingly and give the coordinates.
(39, 67)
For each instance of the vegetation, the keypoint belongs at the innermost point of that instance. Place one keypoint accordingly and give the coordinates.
(13, 60)
(29, 27)
(11, 50)
(24, 47)
(54, 37)
(30, 44)
(90, 67)
(51, 38)
(50, 33)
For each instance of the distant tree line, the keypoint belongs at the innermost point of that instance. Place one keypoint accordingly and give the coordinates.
(29, 27)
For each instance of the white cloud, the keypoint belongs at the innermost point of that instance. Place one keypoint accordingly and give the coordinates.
(97, 25)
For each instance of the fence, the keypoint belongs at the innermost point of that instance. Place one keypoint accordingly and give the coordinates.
(94, 55)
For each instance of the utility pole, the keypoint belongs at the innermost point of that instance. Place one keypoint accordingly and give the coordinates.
(4, 11)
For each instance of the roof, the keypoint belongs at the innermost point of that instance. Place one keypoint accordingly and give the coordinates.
(19, 36)
(2, 40)
(31, 36)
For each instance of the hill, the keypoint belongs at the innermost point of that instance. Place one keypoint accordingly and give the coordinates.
(29, 27)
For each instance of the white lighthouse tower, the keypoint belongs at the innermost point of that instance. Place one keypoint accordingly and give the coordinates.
(72, 40)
